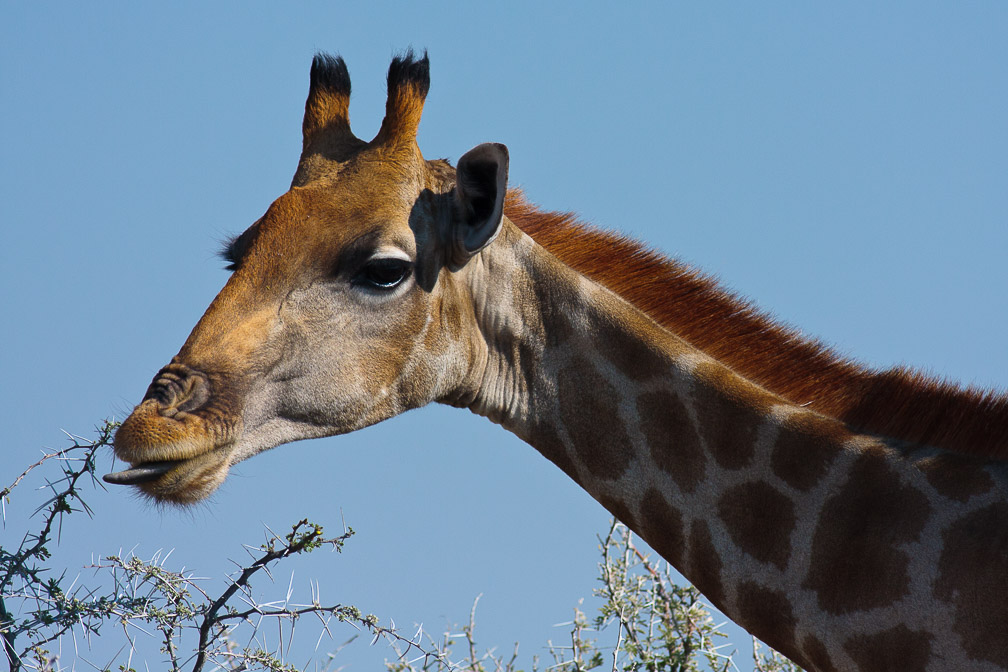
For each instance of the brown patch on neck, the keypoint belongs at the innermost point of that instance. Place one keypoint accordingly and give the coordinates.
(601, 440)
(897, 648)
(897, 403)
(858, 557)
(816, 654)
(767, 614)
(672, 440)
(760, 520)
(971, 577)
(704, 564)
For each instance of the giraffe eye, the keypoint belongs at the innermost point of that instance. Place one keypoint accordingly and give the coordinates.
(384, 274)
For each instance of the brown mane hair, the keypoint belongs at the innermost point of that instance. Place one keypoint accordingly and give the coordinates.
(897, 403)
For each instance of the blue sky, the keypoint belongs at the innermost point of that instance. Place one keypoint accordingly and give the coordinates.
(844, 166)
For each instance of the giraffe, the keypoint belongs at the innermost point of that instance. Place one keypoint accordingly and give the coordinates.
(852, 519)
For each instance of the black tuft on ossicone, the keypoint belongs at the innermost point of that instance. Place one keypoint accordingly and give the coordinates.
(329, 73)
(229, 253)
(406, 68)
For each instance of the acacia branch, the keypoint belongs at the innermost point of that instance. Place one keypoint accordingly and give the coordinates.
(298, 541)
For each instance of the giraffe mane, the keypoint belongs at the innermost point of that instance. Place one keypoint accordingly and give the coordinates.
(898, 403)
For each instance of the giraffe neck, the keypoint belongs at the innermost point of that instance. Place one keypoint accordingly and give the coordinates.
(807, 535)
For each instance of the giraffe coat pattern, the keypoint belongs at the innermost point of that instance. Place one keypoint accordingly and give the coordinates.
(852, 519)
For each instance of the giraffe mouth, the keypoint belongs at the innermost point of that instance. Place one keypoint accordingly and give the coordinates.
(141, 473)
(184, 481)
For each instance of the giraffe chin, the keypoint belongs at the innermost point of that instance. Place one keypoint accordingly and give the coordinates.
(179, 482)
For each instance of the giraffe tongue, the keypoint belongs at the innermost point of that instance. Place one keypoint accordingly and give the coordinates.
(142, 473)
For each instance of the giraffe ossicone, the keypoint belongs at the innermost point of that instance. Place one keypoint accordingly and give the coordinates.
(852, 519)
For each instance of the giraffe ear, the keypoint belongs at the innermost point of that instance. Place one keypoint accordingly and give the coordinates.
(480, 186)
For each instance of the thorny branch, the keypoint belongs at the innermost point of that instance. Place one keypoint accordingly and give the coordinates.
(661, 626)
(24, 566)
(41, 610)
(304, 536)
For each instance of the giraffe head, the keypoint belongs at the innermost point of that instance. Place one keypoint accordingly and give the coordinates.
(347, 303)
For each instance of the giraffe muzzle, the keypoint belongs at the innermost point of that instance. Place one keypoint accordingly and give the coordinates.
(178, 440)
(176, 389)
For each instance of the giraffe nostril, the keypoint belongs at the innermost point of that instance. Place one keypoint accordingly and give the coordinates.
(177, 388)
(165, 388)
